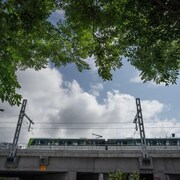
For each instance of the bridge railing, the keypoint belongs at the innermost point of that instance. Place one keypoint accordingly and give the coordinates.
(106, 147)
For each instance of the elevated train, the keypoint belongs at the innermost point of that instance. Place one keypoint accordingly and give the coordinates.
(103, 144)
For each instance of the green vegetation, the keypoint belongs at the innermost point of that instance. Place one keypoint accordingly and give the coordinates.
(123, 176)
(145, 32)
(3, 178)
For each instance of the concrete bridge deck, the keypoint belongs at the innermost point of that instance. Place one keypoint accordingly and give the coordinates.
(93, 164)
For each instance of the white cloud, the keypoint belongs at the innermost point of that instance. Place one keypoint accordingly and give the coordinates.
(96, 88)
(64, 109)
(152, 109)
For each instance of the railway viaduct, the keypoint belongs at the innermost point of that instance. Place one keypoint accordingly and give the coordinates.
(38, 164)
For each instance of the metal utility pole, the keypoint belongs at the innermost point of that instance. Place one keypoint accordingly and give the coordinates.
(13, 149)
(139, 120)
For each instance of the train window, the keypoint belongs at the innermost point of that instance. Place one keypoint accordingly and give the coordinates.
(173, 142)
(178, 142)
(125, 143)
(130, 142)
(163, 143)
(137, 142)
(82, 142)
(167, 142)
(154, 143)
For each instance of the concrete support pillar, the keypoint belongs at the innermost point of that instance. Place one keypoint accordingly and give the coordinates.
(103, 176)
(71, 176)
(160, 176)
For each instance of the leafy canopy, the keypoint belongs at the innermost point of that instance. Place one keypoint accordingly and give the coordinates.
(145, 32)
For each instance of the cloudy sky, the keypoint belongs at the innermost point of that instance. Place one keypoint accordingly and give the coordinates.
(65, 103)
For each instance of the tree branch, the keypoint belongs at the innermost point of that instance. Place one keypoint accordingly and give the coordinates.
(159, 2)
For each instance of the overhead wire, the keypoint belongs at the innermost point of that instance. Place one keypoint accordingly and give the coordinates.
(156, 127)
(105, 122)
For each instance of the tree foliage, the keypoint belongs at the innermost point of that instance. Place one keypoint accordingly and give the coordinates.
(145, 32)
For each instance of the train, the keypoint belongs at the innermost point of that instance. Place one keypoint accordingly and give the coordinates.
(103, 144)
